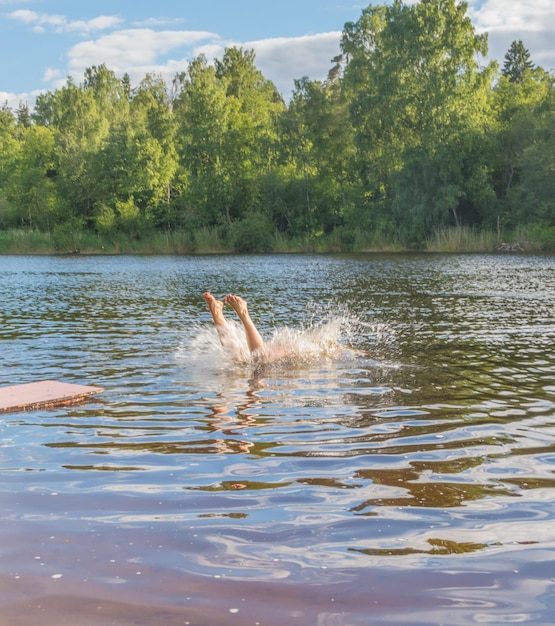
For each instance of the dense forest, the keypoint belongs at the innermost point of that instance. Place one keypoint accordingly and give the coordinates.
(411, 135)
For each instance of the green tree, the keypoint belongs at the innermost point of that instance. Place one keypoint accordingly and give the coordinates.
(410, 102)
(32, 191)
(79, 128)
(153, 116)
(132, 170)
(201, 114)
(250, 139)
(23, 115)
(320, 141)
(227, 118)
(517, 62)
(517, 106)
(409, 132)
(109, 92)
(10, 147)
(525, 114)
(81, 117)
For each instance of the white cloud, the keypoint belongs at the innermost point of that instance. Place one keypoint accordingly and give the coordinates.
(137, 52)
(156, 49)
(523, 16)
(284, 59)
(532, 21)
(103, 22)
(152, 22)
(13, 100)
(60, 24)
(25, 16)
(51, 75)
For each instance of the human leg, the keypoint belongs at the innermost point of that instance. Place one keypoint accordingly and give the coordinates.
(254, 340)
(216, 308)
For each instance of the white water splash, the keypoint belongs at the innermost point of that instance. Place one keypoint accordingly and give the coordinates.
(325, 336)
(316, 342)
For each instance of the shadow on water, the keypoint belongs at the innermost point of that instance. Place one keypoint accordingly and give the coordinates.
(397, 468)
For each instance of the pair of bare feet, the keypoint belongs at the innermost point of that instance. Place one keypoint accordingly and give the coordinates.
(255, 342)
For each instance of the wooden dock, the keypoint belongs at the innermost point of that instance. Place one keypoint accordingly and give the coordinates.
(42, 394)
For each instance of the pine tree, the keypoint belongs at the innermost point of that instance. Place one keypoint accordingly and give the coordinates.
(517, 62)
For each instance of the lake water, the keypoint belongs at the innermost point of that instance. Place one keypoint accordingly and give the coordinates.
(400, 469)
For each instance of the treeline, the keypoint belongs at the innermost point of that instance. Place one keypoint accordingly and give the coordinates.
(411, 133)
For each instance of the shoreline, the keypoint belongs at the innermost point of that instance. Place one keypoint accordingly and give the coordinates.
(451, 240)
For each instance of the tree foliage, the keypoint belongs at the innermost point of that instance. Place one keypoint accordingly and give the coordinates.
(411, 131)
(517, 62)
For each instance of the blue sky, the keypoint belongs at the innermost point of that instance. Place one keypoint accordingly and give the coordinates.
(45, 41)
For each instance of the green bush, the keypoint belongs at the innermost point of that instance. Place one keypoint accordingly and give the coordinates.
(253, 233)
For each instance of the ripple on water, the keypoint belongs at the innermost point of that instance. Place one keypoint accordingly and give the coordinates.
(407, 449)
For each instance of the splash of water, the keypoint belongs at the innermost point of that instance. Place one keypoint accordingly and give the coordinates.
(323, 340)
(325, 335)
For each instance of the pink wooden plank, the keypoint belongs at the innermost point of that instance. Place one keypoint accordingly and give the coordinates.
(43, 393)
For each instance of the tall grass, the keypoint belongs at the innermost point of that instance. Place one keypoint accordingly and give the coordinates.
(17, 241)
(215, 240)
(462, 240)
(208, 240)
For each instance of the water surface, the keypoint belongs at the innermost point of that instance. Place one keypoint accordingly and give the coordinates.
(399, 470)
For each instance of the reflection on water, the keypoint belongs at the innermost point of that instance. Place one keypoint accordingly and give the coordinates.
(399, 469)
